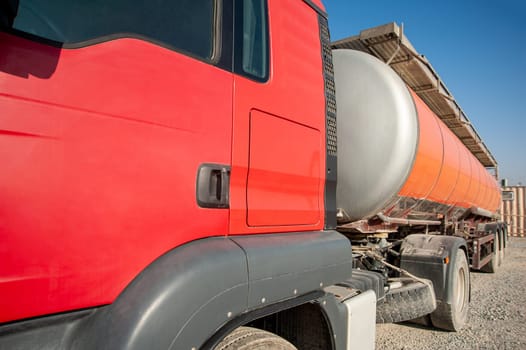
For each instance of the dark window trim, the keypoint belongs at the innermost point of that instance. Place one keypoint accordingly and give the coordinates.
(226, 38)
(104, 39)
(238, 42)
(316, 8)
(216, 34)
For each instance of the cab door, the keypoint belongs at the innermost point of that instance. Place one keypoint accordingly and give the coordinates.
(108, 112)
(278, 152)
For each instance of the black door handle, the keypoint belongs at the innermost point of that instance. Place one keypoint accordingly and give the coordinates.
(213, 186)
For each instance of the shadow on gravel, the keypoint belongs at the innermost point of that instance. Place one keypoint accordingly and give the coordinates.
(416, 325)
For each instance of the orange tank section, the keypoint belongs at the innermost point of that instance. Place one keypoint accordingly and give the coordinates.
(444, 171)
(474, 187)
(447, 179)
(484, 199)
(428, 161)
(461, 193)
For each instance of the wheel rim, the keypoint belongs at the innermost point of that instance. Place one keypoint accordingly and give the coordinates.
(461, 289)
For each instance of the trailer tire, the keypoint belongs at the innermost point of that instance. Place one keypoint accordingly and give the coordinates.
(505, 239)
(501, 246)
(453, 317)
(493, 264)
(248, 338)
(413, 300)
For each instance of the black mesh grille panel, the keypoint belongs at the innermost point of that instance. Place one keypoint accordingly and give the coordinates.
(330, 117)
(330, 92)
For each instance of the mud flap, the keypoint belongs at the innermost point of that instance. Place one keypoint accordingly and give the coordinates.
(410, 300)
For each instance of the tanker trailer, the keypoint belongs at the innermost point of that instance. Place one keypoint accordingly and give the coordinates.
(418, 207)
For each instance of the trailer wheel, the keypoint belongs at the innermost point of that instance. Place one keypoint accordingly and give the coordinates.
(505, 238)
(248, 338)
(503, 242)
(453, 317)
(414, 299)
(493, 264)
(501, 246)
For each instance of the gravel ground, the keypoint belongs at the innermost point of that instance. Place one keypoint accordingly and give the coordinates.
(497, 315)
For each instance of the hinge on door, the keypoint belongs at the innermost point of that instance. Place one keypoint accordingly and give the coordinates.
(213, 186)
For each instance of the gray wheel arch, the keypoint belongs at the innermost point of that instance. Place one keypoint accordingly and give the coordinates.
(424, 256)
(186, 295)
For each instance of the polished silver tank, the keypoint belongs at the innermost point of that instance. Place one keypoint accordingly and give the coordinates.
(377, 133)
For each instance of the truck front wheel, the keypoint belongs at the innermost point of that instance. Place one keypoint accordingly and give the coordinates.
(453, 316)
(248, 338)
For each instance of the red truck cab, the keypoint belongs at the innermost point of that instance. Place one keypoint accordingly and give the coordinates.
(168, 171)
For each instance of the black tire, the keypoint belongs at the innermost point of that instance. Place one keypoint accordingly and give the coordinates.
(506, 238)
(501, 246)
(248, 338)
(454, 316)
(414, 299)
(493, 265)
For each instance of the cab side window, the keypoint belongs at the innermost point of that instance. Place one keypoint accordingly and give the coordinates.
(252, 44)
(183, 25)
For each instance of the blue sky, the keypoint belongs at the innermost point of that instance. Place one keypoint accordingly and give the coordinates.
(479, 50)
